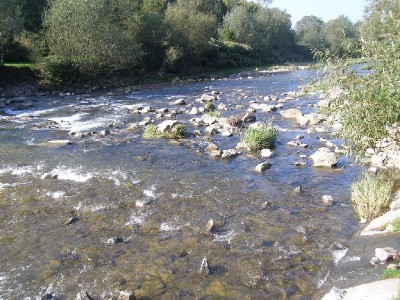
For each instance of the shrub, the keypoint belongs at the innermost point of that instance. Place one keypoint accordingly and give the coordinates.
(151, 132)
(371, 195)
(179, 131)
(372, 101)
(260, 138)
(56, 70)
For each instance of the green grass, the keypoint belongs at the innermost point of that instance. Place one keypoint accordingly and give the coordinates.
(260, 138)
(396, 224)
(371, 195)
(151, 132)
(391, 274)
(20, 65)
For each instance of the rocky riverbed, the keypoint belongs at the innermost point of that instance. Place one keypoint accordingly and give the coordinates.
(91, 209)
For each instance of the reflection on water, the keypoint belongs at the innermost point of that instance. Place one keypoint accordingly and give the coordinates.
(114, 212)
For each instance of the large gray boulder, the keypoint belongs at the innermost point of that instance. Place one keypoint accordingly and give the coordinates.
(324, 158)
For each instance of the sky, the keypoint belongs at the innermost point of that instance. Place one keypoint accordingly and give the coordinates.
(324, 9)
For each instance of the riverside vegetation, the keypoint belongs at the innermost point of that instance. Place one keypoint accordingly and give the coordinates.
(108, 39)
(368, 106)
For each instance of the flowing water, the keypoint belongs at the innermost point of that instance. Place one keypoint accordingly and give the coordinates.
(117, 212)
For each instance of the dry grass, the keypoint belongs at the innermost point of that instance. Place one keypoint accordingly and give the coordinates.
(371, 195)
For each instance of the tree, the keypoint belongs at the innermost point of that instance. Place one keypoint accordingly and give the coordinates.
(339, 33)
(188, 41)
(96, 36)
(267, 31)
(10, 25)
(309, 32)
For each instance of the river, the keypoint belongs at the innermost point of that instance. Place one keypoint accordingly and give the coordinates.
(114, 212)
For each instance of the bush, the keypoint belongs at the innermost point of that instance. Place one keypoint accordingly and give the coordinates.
(371, 102)
(55, 70)
(151, 132)
(371, 195)
(260, 138)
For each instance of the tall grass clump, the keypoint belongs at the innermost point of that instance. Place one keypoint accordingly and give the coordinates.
(260, 138)
(369, 102)
(371, 195)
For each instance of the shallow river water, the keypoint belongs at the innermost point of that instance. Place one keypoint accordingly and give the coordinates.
(138, 208)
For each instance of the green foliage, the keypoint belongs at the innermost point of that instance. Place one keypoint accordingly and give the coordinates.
(267, 31)
(180, 131)
(309, 32)
(370, 102)
(391, 274)
(396, 224)
(56, 70)
(225, 54)
(338, 32)
(151, 132)
(260, 138)
(187, 41)
(371, 195)
(10, 25)
(97, 36)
